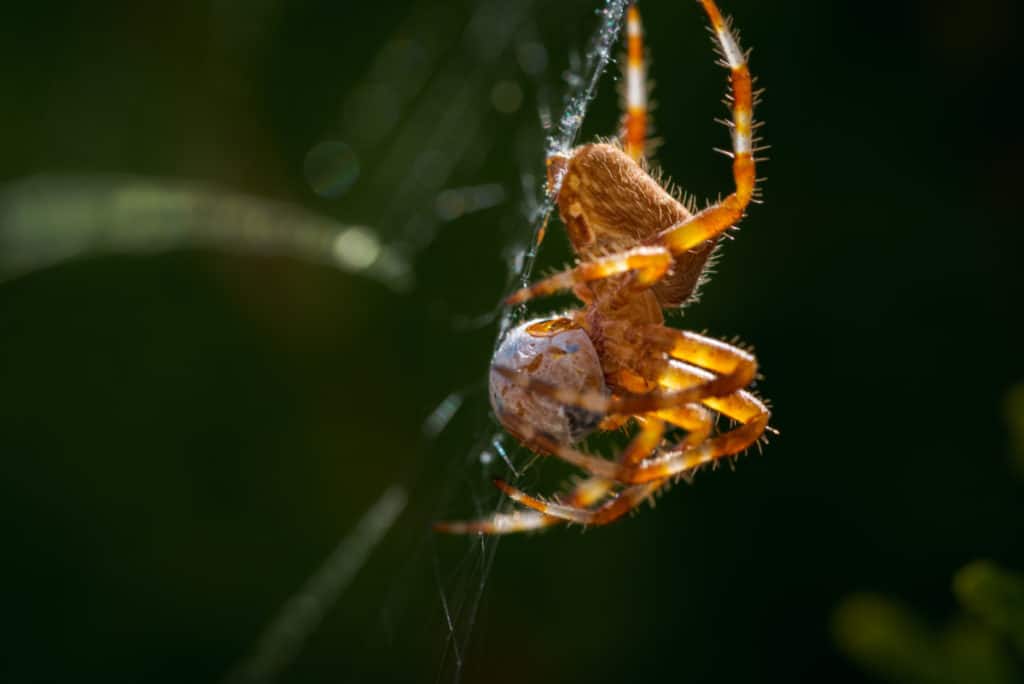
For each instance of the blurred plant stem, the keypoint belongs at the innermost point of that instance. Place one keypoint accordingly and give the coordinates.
(995, 597)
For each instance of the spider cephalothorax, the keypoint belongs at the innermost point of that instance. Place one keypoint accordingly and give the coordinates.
(614, 361)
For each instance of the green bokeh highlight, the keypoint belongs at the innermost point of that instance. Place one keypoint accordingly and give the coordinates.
(893, 642)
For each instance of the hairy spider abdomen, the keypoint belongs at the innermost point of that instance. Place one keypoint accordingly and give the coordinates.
(609, 203)
(556, 352)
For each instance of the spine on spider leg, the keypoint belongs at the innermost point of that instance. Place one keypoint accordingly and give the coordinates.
(717, 218)
(735, 59)
(635, 120)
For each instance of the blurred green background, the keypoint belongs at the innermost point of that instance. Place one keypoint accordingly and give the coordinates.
(185, 436)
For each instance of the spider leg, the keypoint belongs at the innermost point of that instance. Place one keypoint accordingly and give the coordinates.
(635, 119)
(719, 217)
(741, 406)
(683, 383)
(671, 463)
(693, 418)
(677, 377)
(696, 420)
(645, 442)
(647, 264)
(675, 462)
(737, 367)
(612, 510)
(587, 492)
(678, 388)
(498, 523)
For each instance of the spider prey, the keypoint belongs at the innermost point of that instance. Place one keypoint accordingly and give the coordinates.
(614, 361)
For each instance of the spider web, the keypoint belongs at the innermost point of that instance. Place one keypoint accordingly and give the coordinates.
(462, 584)
(457, 568)
(46, 220)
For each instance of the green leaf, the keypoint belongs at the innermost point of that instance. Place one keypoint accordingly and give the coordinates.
(994, 595)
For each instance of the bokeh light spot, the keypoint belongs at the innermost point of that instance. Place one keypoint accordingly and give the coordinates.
(357, 248)
(331, 167)
(506, 96)
(533, 58)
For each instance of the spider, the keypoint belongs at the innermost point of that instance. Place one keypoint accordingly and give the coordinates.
(614, 361)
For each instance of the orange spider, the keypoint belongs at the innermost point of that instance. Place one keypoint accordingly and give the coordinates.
(552, 382)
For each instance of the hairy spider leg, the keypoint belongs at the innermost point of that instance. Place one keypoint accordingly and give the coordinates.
(735, 369)
(693, 418)
(623, 403)
(706, 224)
(706, 352)
(615, 508)
(586, 493)
(673, 462)
(634, 120)
(721, 216)
(696, 420)
(652, 431)
(682, 384)
(497, 523)
(741, 406)
(679, 378)
(693, 452)
(646, 264)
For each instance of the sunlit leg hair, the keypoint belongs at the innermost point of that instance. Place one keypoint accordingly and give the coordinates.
(738, 369)
(743, 406)
(646, 265)
(609, 512)
(693, 418)
(576, 508)
(678, 378)
(719, 217)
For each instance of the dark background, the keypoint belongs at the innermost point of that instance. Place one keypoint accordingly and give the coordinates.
(185, 436)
